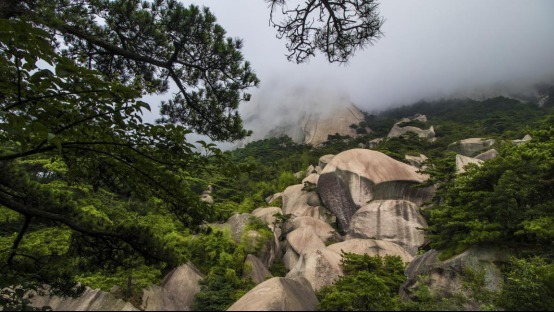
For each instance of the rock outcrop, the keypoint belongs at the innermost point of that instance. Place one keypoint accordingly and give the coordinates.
(324, 160)
(445, 277)
(176, 292)
(490, 154)
(237, 224)
(472, 146)
(322, 229)
(357, 176)
(314, 127)
(525, 139)
(278, 294)
(303, 239)
(416, 161)
(89, 300)
(255, 270)
(462, 161)
(320, 266)
(298, 202)
(267, 214)
(396, 221)
(398, 129)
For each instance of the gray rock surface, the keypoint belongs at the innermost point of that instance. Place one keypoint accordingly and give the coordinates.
(371, 247)
(176, 292)
(470, 147)
(278, 294)
(416, 161)
(298, 203)
(290, 258)
(357, 176)
(525, 139)
(303, 239)
(321, 267)
(398, 130)
(312, 178)
(237, 223)
(267, 214)
(324, 160)
(396, 221)
(89, 300)
(490, 154)
(322, 229)
(445, 277)
(256, 270)
(462, 161)
(271, 198)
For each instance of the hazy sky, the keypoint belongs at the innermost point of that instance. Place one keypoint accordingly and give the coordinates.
(429, 49)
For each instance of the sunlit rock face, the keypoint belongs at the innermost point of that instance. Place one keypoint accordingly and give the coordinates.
(278, 294)
(357, 176)
(396, 221)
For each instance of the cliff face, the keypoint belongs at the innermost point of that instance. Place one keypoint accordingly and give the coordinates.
(313, 127)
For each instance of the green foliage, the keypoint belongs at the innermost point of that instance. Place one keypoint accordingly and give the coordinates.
(507, 201)
(368, 284)
(529, 285)
(93, 191)
(225, 283)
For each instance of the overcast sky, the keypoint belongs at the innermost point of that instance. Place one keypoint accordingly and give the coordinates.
(429, 49)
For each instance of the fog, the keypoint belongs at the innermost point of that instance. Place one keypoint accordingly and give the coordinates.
(429, 50)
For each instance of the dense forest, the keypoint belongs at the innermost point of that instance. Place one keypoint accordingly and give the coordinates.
(508, 201)
(92, 196)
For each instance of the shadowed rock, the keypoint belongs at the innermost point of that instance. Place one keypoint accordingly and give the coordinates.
(445, 277)
(255, 269)
(290, 258)
(278, 294)
(371, 247)
(357, 176)
(396, 221)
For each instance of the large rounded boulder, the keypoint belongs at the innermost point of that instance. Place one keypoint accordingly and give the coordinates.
(278, 294)
(355, 177)
(397, 221)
